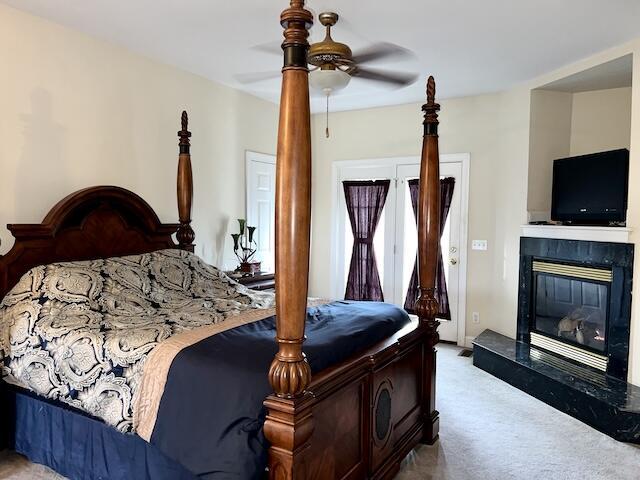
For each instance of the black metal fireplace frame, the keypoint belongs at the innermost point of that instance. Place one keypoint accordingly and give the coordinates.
(615, 256)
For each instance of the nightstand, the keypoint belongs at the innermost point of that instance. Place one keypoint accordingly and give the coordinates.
(262, 281)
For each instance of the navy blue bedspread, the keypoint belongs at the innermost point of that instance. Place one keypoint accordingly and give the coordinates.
(211, 414)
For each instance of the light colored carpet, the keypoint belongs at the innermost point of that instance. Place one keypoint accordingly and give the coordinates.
(492, 431)
(16, 467)
(489, 431)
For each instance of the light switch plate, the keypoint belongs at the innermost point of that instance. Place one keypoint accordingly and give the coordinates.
(478, 245)
(475, 317)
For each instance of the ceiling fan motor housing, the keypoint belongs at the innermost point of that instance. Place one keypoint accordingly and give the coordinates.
(329, 54)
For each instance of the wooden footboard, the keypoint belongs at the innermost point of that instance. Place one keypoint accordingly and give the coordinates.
(366, 427)
(361, 418)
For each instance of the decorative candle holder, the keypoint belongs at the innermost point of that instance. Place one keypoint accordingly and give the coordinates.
(245, 247)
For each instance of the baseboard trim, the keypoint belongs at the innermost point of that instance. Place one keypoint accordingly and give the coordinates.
(468, 342)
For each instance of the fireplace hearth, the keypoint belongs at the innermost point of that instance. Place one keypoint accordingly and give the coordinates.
(573, 330)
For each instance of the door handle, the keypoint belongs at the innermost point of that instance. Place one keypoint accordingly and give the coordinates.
(453, 261)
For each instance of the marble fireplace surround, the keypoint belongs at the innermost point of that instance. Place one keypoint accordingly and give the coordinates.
(611, 255)
(606, 402)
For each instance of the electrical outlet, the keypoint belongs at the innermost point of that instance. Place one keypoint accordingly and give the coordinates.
(475, 317)
(479, 245)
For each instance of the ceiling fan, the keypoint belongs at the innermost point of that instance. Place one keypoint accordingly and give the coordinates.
(331, 56)
(333, 64)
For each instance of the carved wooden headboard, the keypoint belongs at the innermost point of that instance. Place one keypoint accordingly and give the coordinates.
(100, 222)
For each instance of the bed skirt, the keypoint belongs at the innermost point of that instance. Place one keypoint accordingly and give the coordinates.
(82, 448)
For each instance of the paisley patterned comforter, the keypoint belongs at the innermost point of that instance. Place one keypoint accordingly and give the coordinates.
(80, 332)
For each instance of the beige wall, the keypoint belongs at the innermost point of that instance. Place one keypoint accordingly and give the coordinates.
(494, 130)
(549, 138)
(78, 112)
(600, 120)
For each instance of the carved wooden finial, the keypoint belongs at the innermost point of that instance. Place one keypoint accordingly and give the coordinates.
(296, 12)
(296, 21)
(431, 89)
(431, 108)
(185, 120)
(185, 233)
(184, 134)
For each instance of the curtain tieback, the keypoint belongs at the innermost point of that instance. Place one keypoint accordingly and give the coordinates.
(366, 241)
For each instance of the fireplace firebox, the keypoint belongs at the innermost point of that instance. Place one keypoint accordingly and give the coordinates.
(575, 300)
(571, 310)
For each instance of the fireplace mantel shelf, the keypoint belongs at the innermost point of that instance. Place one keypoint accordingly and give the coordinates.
(564, 232)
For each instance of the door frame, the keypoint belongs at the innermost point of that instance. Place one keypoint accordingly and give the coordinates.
(251, 158)
(464, 159)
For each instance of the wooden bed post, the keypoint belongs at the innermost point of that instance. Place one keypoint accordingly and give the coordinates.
(428, 248)
(185, 234)
(286, 428)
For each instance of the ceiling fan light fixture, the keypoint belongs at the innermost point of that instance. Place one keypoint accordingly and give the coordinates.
(329, 81)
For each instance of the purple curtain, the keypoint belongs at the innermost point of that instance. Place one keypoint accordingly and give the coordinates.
(365, 201)
(446, 195)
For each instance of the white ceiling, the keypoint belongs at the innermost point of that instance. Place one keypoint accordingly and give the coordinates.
(616, 73)
(470, 46)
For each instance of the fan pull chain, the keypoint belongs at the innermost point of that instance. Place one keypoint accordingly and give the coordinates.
(327, 129)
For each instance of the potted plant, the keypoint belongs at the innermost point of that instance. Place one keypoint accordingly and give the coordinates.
(245, 247)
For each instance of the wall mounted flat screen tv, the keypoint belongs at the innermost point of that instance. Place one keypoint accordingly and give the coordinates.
(591, 189)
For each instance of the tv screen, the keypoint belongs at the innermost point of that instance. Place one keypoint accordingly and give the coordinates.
(591, 189)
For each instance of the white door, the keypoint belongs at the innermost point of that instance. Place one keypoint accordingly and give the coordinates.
(261, 197)
(407, 235)
(395, 242)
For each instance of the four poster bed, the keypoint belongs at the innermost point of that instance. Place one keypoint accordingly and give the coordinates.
(109, 325)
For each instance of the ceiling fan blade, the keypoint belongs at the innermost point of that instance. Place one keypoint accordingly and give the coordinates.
(380, 51)
(273, 48)
(398, 79)
(256, 77)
